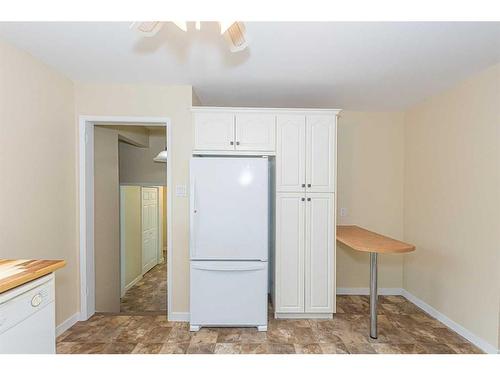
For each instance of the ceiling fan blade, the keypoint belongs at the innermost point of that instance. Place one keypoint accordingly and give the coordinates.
(147, 29)
(235, 36)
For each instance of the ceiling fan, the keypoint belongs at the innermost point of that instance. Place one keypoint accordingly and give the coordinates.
(233, 31)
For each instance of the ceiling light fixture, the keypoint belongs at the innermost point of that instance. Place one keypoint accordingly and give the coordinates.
(225, 25)
(161, 157)
(147, 28)
(181, 25)
(232, 31)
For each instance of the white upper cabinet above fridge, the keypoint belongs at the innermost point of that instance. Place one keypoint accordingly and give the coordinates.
(214, 131)
(255, 132)
(230, 131)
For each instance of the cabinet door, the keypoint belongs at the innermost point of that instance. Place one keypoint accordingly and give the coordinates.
(290, 153)
(319, 253)
(320, 153)
(289, 296)
(255, 132)
(213, 131)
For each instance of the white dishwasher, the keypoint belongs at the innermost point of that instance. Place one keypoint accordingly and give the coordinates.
(27, 318)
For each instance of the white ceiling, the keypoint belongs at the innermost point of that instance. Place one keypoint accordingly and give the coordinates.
(363, 66)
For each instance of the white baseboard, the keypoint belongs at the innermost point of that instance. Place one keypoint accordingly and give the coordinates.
(468, 335)
(366, 291)
(178, 316)
(479, 342)
(132, 283)
(67, 324)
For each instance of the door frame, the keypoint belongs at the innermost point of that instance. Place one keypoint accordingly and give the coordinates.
(86, 202)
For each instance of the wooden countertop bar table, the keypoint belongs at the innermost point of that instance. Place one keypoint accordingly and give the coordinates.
(14, 273)
(364, 240)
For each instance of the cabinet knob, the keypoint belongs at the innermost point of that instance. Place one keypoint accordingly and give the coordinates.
(237, 143)
(308, 185)
(231, 143)
(303, 199)
(36, 300)
(303, 185)
(308, 199)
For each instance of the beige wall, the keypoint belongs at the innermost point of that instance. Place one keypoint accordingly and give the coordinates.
(38, 169)
(107, 220)
(131, 206)
(452, 203)
(370, 152)
(163, 101)
(136, 135)
(137, 165)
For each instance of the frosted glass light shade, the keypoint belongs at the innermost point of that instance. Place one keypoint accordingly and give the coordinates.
(161, 157)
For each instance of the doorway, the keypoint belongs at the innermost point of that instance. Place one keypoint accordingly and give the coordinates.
(87, 126)
(143, 248)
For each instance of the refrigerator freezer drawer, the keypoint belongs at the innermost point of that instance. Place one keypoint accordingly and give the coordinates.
(228, 293)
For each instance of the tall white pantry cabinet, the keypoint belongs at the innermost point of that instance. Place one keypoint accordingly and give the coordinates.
(303, 142)
(305, 215)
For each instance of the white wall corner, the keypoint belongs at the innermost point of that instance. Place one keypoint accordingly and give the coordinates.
(67, 324)
(462, 331)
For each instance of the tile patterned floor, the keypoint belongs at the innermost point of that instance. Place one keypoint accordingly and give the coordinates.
(149, 294)
(403, 328)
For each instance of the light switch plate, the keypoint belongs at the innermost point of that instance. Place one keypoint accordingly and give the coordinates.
(180, 191)
(343, 212)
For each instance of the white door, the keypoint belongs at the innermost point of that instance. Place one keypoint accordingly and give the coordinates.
(290, 252)
(149, 228)
(229, 203)
(320, 153)
(214, 131)
(290, 153)
(319, 253)
(255, 132)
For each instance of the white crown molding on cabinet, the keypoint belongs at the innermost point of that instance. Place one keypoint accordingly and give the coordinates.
(333, 111)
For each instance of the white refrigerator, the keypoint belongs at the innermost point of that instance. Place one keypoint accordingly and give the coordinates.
(229, 231)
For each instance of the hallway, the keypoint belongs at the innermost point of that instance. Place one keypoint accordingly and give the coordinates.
(149, 294)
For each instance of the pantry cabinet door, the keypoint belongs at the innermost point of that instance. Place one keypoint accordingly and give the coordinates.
(290, 153)
(320, 153)
(319, 253)
(255, 132)
(289, 276)
(214, 131)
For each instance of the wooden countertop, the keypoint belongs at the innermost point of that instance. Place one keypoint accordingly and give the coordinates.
(15, 272)
(364, 240)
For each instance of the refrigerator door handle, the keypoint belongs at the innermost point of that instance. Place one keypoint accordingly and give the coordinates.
(233, 268)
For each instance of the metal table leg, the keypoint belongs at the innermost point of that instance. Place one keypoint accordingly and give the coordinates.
(373, 295)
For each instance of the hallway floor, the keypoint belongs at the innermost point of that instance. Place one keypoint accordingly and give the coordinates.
(149, 295)
(403, 328)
